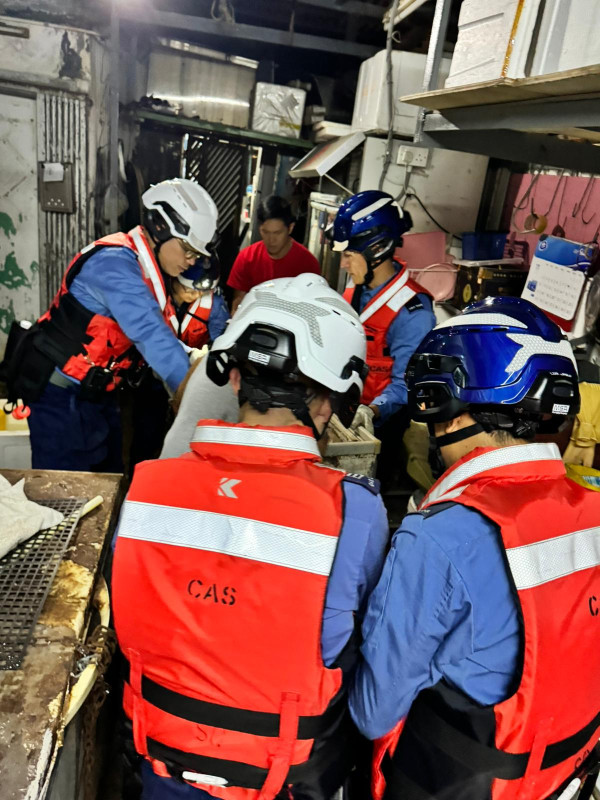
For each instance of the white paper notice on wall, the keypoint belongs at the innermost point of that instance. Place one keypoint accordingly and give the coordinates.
(53, 172)
(554, 288)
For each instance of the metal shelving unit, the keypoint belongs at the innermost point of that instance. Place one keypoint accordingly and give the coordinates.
(549, 119)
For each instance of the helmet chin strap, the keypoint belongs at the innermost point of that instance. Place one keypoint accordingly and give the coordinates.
(460, 435)
(294, 397)
(436, 461)
(358, 289)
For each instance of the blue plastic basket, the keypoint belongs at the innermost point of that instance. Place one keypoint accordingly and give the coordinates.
(480, 246)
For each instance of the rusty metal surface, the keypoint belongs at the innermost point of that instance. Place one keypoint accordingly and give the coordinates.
(62, 137)
(31, 699)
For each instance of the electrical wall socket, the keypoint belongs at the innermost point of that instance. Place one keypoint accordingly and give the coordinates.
(413, 156)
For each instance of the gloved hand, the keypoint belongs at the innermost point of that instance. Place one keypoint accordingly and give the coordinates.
(586, 428)
(363, 417)
(195, 353)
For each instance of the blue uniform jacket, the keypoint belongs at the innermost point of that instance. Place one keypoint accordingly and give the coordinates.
(110, 283)
(219, 316)
(443, 608)
(404, 335)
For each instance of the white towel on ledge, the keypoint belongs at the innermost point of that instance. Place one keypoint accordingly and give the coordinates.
(20, 518)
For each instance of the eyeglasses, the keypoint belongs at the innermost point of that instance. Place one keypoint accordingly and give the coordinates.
(189, 252)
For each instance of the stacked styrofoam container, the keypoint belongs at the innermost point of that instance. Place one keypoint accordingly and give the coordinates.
(568, 36)
(371, 109)
(494, 40)
(278, 109)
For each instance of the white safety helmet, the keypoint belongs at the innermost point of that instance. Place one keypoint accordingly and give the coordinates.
(288, 328)
(187, 209)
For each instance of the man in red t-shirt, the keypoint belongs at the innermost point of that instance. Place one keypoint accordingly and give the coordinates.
(276, 256)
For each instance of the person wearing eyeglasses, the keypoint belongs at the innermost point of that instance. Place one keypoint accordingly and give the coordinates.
(112, 308)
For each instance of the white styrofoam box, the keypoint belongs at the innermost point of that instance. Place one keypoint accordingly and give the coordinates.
(278, 109)
(15, 450)
(450, 186)
(326, 130)
(371, 111)
(568, 37)
(494, 40)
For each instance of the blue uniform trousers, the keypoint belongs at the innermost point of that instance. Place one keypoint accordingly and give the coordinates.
(74, 434)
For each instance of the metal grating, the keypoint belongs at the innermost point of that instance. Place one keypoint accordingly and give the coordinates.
(219, 167)
(26, 575)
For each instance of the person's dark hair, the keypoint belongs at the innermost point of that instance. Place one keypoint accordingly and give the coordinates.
(275, 207)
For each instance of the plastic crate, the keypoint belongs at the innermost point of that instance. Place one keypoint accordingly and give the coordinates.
(483, 246)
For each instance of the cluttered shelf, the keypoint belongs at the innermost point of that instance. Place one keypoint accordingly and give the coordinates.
(557, 86)
(550, 119)
(235, 134)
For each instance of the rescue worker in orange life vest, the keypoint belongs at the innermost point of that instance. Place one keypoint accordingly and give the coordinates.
(201, 312)
(395, 311)
(240, 567)
(112, 301)
(481, 649)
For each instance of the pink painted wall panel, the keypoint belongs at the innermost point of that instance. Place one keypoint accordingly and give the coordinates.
(560, 212)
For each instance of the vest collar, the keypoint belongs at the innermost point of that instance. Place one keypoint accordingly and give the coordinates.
(248, 444)
(390, 293)
(526, 461)
(149, 265)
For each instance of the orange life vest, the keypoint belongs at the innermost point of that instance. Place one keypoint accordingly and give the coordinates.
(93, 339)
(218, 598)
(535, 741)
(376, 317)
(193, 328)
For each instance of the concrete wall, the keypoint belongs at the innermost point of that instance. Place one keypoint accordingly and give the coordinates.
(59, 75)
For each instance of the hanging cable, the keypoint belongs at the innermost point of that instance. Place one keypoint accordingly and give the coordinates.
(411, 193)
(387, 159)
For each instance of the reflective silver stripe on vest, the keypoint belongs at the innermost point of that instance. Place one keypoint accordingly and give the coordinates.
(401, 298)
(149, 268)
(202, 302)
(234, 536)
(534, 564)
(500, 457)
(256, 437)
(384, 297)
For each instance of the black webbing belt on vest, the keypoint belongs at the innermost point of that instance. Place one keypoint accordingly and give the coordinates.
(237, 773)
(434, 729)
(258, 723)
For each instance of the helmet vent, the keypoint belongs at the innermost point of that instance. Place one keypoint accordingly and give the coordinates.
(340, 304)
(188, 199)
(177, 220)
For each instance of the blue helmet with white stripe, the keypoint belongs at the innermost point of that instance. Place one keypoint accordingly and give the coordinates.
(203, 276)
(372, 224)
(503, 361)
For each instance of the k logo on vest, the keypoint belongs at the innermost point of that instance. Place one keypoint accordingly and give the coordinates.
(226, 487)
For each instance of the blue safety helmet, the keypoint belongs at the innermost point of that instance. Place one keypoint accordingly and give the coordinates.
(503, 361)
(203, 276)
(372, 224)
